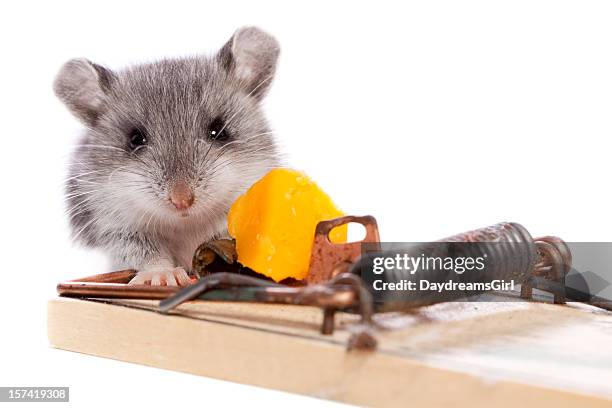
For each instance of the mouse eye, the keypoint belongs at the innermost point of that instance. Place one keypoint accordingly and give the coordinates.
(138, 138)
(217, 130)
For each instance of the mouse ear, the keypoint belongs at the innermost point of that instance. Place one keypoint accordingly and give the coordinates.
(251, 55)
(82, 85)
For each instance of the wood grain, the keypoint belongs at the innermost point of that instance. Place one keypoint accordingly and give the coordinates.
(477, 354)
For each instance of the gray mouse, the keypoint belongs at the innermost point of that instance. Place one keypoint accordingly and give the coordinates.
(168, 147)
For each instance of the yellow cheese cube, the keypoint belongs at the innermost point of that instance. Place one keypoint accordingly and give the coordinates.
(274, 223)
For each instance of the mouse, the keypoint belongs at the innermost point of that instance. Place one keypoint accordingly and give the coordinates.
(167, 147)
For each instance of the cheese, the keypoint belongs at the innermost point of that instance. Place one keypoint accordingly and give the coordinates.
(274, 223)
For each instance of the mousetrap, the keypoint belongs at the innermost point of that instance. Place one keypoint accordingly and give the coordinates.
(328, 338)
(333, 282)
(484, 354)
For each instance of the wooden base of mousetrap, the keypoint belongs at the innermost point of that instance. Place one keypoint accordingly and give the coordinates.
(473, 354)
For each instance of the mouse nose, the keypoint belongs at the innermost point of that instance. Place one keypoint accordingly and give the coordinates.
(181, 196)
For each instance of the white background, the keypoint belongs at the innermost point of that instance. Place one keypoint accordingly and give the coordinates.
(434, 116)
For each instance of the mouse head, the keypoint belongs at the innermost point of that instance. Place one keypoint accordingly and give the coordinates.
(174, 138)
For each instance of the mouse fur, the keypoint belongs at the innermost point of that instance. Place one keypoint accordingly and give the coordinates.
(168, 147)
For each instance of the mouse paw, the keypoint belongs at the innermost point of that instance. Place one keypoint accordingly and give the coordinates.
(161, 276)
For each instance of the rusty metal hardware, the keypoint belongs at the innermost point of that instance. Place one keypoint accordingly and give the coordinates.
(510, 251)
(208, 252)
(553, 259)
(113, 285)
(553, 264)
(123, 276)
(329, 259)
(219, 280)
(333, 282)
(342, 292)
(547, 257)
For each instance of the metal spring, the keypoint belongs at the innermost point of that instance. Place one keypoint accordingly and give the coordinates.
(509, 250)
(508, 246)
